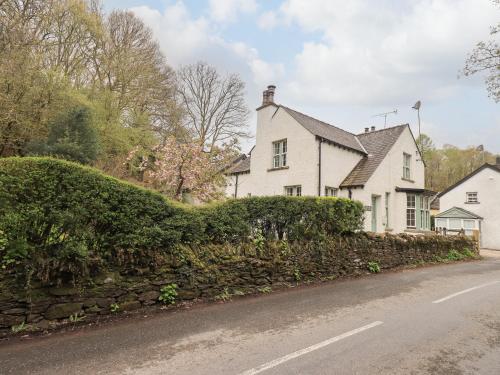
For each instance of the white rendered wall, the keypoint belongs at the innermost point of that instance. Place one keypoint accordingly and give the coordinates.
(336, 164)
(487, 184)
(275, 124)
(386, 177)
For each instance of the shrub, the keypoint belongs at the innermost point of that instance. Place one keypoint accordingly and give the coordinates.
(61, 221)
(168, 294)
(455, 255)
(373, 267)
(280, 217)
(58, 218)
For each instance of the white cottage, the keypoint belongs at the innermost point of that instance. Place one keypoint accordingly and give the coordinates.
(296, 154)
(477, 198)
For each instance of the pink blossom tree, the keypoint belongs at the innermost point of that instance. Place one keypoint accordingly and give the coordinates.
(175, 168)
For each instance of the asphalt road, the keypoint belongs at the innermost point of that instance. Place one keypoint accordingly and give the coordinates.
(433, 320)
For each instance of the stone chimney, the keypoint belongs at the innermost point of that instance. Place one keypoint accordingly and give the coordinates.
(270, 93)
(265, 97)
(373, 128)
(367, 130)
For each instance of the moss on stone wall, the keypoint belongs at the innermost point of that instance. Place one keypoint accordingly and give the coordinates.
(217, 271)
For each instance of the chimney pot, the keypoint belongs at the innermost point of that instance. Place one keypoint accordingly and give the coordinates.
(373, 128)
(270, 93)
(367, 130)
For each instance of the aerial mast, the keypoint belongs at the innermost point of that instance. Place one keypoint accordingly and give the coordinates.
(385, 114)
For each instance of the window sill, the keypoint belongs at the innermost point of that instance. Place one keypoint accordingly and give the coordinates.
(408, 180)
(278, 169)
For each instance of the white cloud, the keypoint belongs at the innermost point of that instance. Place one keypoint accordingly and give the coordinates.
(396, 52)
(267, 20)
(263, 73)
(179, 35)
(185, 40)
(228, 10)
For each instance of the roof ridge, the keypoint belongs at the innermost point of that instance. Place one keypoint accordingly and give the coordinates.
(381, 130)
(314, 118)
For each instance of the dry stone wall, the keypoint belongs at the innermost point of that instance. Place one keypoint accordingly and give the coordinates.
(212, 271)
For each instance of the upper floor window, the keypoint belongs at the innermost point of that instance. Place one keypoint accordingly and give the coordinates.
(330, 191)
(472, 197)
(279, 153)
(406, 166)
(293, 190)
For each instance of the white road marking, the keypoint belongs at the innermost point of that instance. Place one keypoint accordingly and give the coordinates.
(465, 291)
(298, 353)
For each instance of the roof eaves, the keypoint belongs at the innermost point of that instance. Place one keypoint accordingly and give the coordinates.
(337, 144)
(353, 186)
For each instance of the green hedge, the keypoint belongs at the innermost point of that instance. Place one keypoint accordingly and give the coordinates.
(280, 217)
(61, 220)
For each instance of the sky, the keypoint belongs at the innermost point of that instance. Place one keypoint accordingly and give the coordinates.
(342, 61)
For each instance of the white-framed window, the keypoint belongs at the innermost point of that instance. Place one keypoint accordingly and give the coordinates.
(441, 222)
(330, 191)
(454, 224)
(469, 225)
(279, 153)
(410, 211)
(406, 166)
(471, 197)
(422, 212)
(295, 190)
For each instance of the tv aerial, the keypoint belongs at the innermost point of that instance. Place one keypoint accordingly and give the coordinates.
(385, 114)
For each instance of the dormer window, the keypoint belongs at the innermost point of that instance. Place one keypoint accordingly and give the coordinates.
(279, 154)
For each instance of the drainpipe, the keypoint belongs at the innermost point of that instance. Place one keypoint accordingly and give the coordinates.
(236, 187)
(319, 166)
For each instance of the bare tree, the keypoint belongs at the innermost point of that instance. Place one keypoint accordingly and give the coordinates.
(215, 106)
(486, 57)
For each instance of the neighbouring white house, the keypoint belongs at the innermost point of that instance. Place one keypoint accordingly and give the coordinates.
(295, 154)
(474, 203)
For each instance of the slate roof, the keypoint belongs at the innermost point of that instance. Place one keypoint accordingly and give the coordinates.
(242, 166)
(377, 143)
(324, 130)
(374, 146)
(458, 213)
